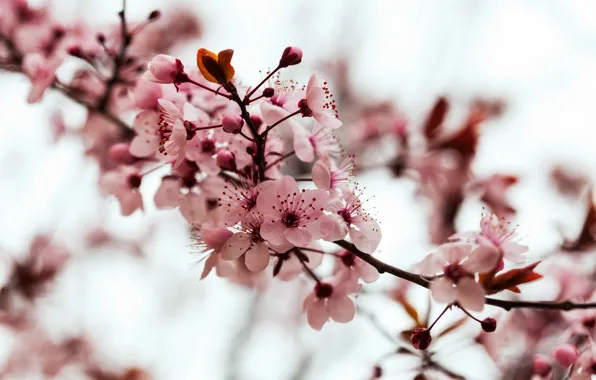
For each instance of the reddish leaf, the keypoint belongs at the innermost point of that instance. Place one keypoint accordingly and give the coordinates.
(465, 140)
(585, 240)
(454, 326)
(514, 289)
(435, 118)
(512, 278)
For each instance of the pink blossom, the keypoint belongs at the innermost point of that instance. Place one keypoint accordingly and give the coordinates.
(146, 94)
(197, 200)
(318, 103)
(328, 176)
(541, 365)
(42, 72)
(283, 102)
(165, 132)
(203, 149)
(124, 184)
(358, 267)
(320, 142)
(239, 199)
(248, 243)
(331, 300)
(458, 262)
(292, 215)
(165, 69)
(211, 241)
(350, 218)
(496, 233)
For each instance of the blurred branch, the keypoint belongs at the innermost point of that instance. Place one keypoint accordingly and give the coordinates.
(421, 281)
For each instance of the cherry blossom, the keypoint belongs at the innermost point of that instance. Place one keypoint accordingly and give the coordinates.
(357, 267)
(350, 218)
(42, 72)
(124, 184)
(318, 103)
(458, 262)
(211, 241)
(496, 233)
(321, 142)
(331, 299)
(292, 215)
(248, 243)
(329, 176)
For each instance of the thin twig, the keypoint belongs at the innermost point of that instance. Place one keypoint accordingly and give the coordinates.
(419, 280)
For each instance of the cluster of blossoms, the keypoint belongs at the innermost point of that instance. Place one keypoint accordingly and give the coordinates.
(226, 174)
(224, 146)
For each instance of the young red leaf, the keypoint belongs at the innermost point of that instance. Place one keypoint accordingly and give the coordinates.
(435, 118)
(512, 278)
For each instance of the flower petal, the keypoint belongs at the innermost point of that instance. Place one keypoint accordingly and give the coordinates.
(298, 236)
(236, 246)
(257, 258)
(341, 309)
(317, 315)
(442, 290)
(366, 235)
(470, 294)
(481, 260)
(273, 231)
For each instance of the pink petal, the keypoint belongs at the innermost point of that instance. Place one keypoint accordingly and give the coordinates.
(317, 315)
(168, 193)
(366, 235)
(144, 146)
(481, 260)
(236, 246)
(340, 228)
(170, 108)
(131, 202)
(442, 290)
(341, 309)
(321, 175)
(513, 251)
(273, 231)
(470, 295)
(468, 235)
(224, 268)
(432, 264)
(287, 185)
(365, 271)
(146, 123)
(192, 208)
(302, 145)
(178, 138)
(327, 119)
(313, 82)
(298, 236)
(454, 252)
(272, 114)
(257, 258)
(209, 264)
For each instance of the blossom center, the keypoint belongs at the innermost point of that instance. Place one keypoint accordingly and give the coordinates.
(290, 219)
(208, 146)
(305, 110)
(454, 272)
(346, 215)
(134, 181)
(323, 290)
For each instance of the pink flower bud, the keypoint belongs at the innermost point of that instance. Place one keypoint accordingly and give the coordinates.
(541, 365)
(566, 354)
(256, 120)
(291, 56)
(232, 123)
(119, 154)
(421, 338)
(268, 92)
(226, 160)
(489, 324)
(166, 69)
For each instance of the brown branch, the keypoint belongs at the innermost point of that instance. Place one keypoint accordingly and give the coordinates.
(421, 281)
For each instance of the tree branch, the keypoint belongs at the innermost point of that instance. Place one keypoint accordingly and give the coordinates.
(421, 281)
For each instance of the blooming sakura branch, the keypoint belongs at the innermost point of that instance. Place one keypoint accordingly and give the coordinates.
(220, 150)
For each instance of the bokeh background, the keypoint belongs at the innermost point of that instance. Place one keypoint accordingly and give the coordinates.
(139, 299)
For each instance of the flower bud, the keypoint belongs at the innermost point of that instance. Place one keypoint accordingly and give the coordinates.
(256, 120)
(489, 324)
(268, 92)
(166, 69)
(566, 354)
(101, 38)
(541, 365)
(154, 15)
(291, 56)
(232, 123)
(226, 160)
(421, 338)
(75, 51)
(120, 154)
